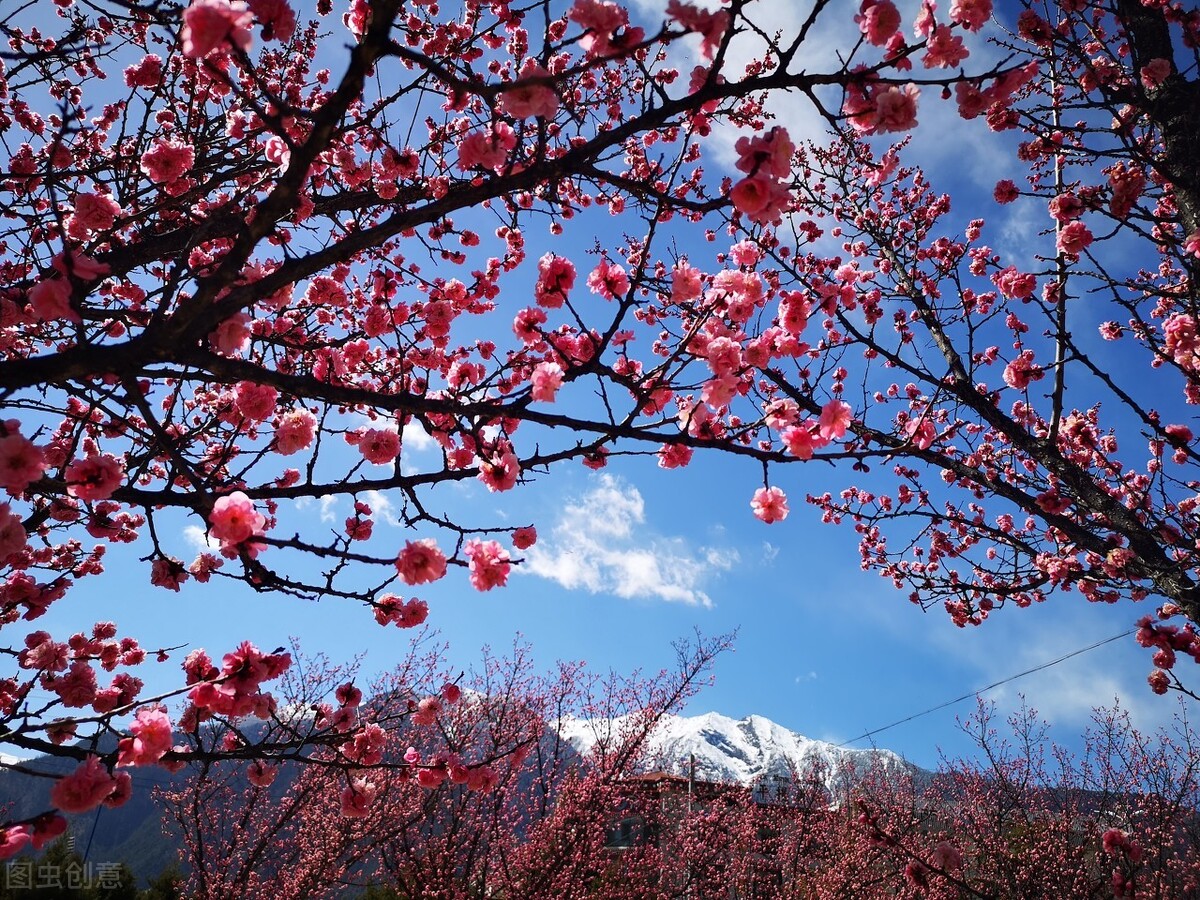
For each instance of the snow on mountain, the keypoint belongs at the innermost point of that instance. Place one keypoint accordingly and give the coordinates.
(753, 751)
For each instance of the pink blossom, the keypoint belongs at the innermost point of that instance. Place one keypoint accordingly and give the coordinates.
(209, 25)
(260, 774)
(1021, 371)
(1074, 238)
(800, 441)
(525, 537)
(971, 14)
(358, 797)
(47, 828)
(421, 562)
(674, 456)
(255, 401)
(21, 462)
(401, 613)
(488, 563)
(151, 729)
(556, 277)
(79, 265)
(499, 471)
(895, 108)
(296, 431)
(84, 789)
(836, 417)
(547, 379)
(147, 73)
(608, 280)
(760, 198)
(601, 20)
(51, 300)
(487, 149)
(380, 446)
(167, 160)
(427, 711)
(878, 20)
(234, 519)
(95, 477)
(231, 335)
(945, 49)
(1155, 72)
(13, 840)
(526, 99)
(276, 18)
(1015, 284)
(93, 212)
(168, 572)
(710, 26)
(1005, 191)
(1065, 207)
(769, 505)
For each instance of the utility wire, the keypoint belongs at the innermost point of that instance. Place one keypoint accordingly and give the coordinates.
(984, 690)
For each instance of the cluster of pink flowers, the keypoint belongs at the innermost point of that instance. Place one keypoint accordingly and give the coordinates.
(390, 609)
(1181, 340)
(234, 520)
(151, 738)
(487, 148)
(21, 461)
(88, 786)
(95, 477)
(556, 277)
(875, 107)
(421, 562)
(878, 20)
(532, 94)
(763, 195)
(606, 27)
(770, 505)
(215, 25)
(488, 564)
(711, 26)
(234, 689)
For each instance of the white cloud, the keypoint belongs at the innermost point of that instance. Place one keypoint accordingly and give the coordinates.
(414, 437)
(199, 539)
(382, 508)
(328, 508)
(601, 544)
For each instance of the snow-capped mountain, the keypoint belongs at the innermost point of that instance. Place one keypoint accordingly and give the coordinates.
(753, 751)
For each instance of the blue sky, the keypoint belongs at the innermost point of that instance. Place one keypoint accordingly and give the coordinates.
(634, 557)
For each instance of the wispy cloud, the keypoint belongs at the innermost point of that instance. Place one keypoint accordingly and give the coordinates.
(601, 544)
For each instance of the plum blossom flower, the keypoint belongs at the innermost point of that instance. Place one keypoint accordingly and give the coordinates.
(21, 461)
(84, 789)
(525, 98)
(167, 161)
(556, 277)
(95, 477)
(487, 149)
(836, 417)
(421, 562)
(488, 563)
(878, 20)
(276, 19)
(1074, 238)
(358, 797)
(769, 505)
(92, 213)
(547, 379)
(380, 446)
(971, 14)
(51, 301)
(147, 73)
(255, 401)
(152, 734)
(499, 471)
(296, 431)
(210, 25)
(525, 537)
(234, 519)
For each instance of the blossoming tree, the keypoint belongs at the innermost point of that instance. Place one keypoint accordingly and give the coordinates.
(241, 261)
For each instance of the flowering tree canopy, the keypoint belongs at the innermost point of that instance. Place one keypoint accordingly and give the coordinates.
(245, 257)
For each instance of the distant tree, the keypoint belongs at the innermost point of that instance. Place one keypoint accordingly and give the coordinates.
(452, 829)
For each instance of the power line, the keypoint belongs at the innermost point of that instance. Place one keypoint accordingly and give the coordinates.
(984, 690)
